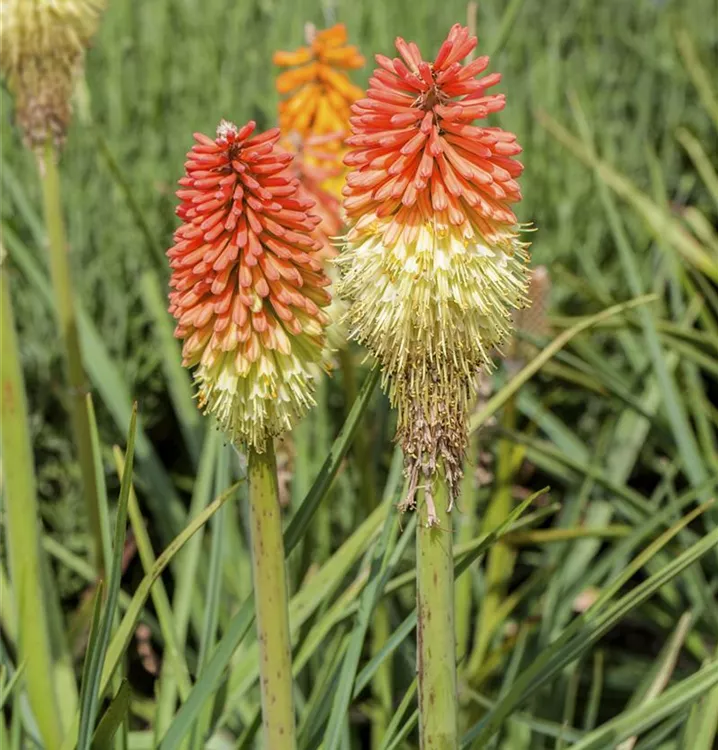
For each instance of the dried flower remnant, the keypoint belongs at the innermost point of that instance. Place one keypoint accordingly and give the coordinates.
(433, 265)
(42, 48)
(248, 288)
(532, 319)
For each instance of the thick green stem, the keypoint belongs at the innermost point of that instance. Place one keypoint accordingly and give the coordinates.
(438, 701)
(23, 535)
(65, 309)
(270, 597)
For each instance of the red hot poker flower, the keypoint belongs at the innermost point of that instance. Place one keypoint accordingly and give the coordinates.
(247, 284)
(432, 266)
(416, 153)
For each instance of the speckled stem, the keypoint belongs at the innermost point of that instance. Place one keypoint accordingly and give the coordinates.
(436, 649)
(270, 596)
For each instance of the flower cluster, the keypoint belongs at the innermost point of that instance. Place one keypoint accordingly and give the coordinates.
(42, 46)
(248, 288)
(433, 265)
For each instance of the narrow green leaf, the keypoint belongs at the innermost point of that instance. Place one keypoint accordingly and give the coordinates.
(341, 445)
(178, 377)
(22, 530)
(96, 657)
(113, 717)
(644, 716)
(380, 572)
(6, 690)
(700, 76)
(522, 377)
(173, 654)
(584, 631)
(114, 392)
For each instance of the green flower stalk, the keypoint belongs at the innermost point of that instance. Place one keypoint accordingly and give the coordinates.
(270, 597)
(433, 269)
(248, 293)
(23, 532)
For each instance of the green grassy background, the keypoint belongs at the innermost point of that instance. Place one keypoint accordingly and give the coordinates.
(616, 420)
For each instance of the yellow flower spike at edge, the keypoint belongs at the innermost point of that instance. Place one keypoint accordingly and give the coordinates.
(320, 92)
(247, 282)
(42, 47)
(433, 266)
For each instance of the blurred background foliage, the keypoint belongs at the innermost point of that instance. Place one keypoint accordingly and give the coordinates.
(621, 78)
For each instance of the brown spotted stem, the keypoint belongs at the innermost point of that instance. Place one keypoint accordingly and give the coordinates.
(270, 596)
(436, 648)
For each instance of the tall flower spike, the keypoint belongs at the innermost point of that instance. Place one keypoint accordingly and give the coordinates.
(42, 46)
(433, 265)
(248, 285)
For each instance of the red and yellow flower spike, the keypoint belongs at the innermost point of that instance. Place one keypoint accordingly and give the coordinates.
(319, 92)
(433, 265)
(247, 283)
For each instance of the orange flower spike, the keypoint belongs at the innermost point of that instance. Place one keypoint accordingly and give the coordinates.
(247, 283)
(433, 265)
(322, 90)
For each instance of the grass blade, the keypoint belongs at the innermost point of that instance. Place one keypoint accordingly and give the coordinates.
(96, 656)
(568, 647)
(22, 533)
(113, 717)
(512, 387)
(127, 626)
(642, 717)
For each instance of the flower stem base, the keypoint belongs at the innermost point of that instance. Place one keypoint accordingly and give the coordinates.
(438, 702)
(270, 595)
